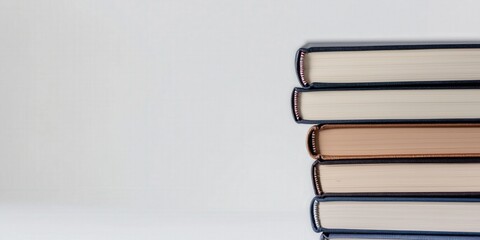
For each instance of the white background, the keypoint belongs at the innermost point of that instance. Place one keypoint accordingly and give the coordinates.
(171, 119)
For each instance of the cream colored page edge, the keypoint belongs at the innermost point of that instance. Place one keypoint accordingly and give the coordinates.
(398, 177)
(392, 65)
(400, 216)
(389, 104)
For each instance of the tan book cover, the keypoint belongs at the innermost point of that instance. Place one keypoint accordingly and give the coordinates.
(370, 141)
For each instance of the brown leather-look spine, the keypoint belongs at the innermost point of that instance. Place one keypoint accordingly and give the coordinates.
(312, 148)
(390, 125)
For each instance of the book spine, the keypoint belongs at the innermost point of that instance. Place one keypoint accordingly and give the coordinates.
(295, 106)
(317, 186)
(317, 225)
(300, 66)
(312, 139)
(315, 219)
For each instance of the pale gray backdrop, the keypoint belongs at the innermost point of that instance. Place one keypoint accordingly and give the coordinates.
(171, 119)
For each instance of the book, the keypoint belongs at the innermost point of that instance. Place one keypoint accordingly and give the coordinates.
(412, 104)
(398, 177)
(383, 63)
(340, 236)
(400, 140)
(456, 216)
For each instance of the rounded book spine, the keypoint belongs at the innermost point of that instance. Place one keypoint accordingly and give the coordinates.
(317, 186)
(295, 106)
(312, 142)
(300, 66)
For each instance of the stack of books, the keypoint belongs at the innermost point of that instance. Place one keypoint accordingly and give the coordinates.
(396, 139)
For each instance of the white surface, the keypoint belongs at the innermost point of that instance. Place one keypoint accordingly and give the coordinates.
(125, 119)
